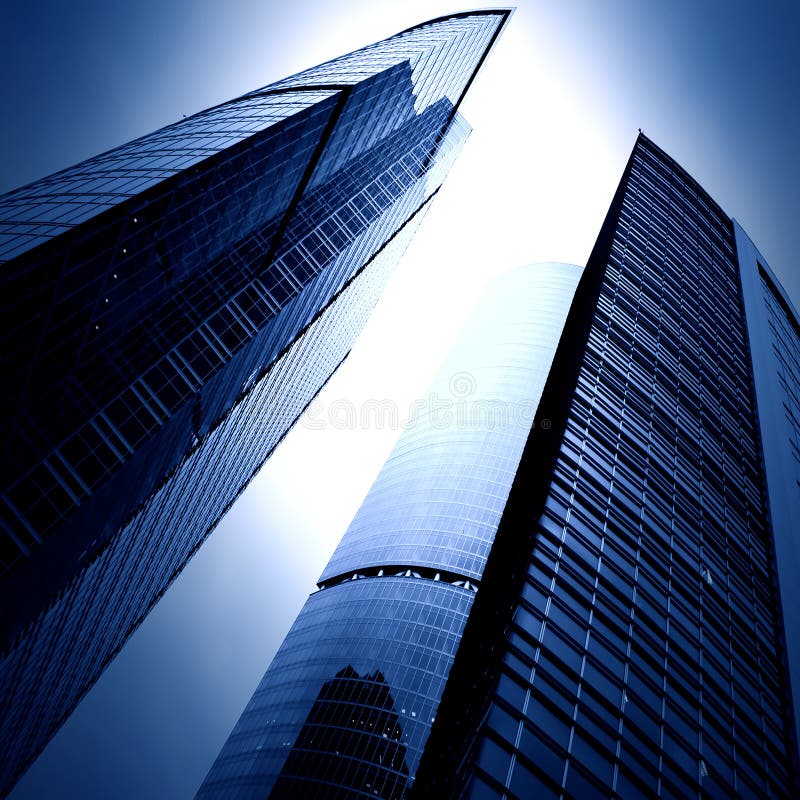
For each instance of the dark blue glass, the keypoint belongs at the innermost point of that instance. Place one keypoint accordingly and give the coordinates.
(645, 651)
(169, 309)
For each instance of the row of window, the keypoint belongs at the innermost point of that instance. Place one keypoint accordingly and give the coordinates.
(644, 657)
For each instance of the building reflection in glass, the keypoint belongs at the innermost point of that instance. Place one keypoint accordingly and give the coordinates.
(353, 738)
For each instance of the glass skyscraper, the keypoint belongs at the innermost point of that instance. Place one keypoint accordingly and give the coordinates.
(637, 630)
(368, 657)
(169, 309)
(597, 600)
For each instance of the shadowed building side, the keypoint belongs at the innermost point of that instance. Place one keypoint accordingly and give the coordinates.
(170, 308)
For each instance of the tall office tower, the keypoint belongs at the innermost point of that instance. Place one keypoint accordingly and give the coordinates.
(346, 706)
(635, 631)
(169, 309)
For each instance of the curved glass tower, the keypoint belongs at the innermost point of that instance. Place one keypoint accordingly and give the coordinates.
(169, 309)
(364, 666)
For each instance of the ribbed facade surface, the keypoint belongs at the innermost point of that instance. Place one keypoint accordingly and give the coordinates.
(639, 648)
(169, 309)
(347, 704)
(774, 327)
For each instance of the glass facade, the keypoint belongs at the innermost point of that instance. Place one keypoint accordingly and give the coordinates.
(170, 308)
(394, 599)
(639, 646)
(774, 328)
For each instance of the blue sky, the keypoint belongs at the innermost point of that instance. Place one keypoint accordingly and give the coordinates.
(555, 114)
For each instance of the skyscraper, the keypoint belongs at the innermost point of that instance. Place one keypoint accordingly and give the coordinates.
(636, 634)
(633, 542)
(393, 600)
(170, 307)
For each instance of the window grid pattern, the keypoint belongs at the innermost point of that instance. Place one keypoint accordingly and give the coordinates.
(64, 653)
(133, 329)
(70, 307)
(442, 54)
(643, 659)
(79, 315)
(315, 264)
(352, 737)
(44, 209)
